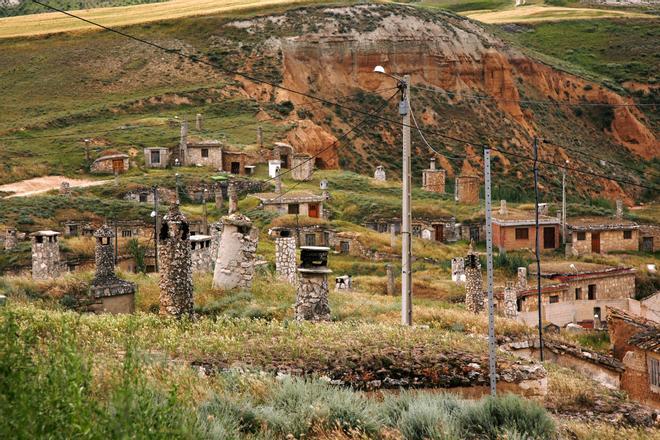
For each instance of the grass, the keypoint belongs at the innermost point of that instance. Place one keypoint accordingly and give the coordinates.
(533, 13)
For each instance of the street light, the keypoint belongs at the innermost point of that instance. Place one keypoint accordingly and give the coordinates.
(406, 217)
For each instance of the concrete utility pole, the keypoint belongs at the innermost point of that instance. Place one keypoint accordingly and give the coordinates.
(492, 346)
(537, 247)
(563, 205)
(156, 228)
(406, 220)
(205, 225)
(176, 177)
(87, 158)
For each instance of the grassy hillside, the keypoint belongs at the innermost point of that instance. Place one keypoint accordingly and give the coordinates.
(25, 7)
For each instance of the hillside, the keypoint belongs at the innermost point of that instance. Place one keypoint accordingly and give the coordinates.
(10, 8)
(121, 93)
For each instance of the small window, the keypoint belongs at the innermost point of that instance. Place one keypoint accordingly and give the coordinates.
(143, 197)
(205, 152)
(294, 208)
(578, 293)
(155, 157)
(581, 236)
(554, 299)
(522, 234)
(654, 371)
(592, 291)
(126, 233)
(627, 235)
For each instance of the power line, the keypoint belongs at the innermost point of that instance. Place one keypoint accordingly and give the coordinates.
(456, 158)
(531, 101)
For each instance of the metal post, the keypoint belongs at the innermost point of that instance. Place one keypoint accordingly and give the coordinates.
(116, 242)
(492, 347)
(156, 228)
(563, 205)
(406, 220)
(537, 247)
(176, 177)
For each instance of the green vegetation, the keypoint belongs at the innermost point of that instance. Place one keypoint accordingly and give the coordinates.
(28, 7)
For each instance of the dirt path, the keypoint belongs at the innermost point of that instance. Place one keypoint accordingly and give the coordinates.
(55, 22)
(531, 14)
(40, 185)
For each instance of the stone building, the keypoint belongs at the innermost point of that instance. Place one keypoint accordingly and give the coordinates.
(649, 238)
(156, 157)
(45, 255)
(303, 203)
(516, 229)
(466, 189)
(174, 256)
(312, 289)
(204, 153)
(302, 167)
(235, 162)
(433, 180)
(234, 267)
(283, 152)
(636, 343)
(77, 228)
(434, 229)
(474, 291)
(305, 235)
(146, 195)
(111, 162)
(11, 239)
(65, 189)
(577, 292)
(110, 293)
(602, 235)
(379, 174)
(200, 253)
(285, 259)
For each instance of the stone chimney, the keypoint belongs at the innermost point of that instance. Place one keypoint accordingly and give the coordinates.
(379, 174)
(183, 142)
(432, 164)
(619, 209)
(176, 285)
(458, 270)
(312, 292)
(200, 253)
(215, 229)
(503, 208)
(199, 122)
(510, 301)
(11, 239)
(234, 267)
(474, 292)
(114, 294)
(232, 194)
(218, 197)
(65, 189)
(285, 259)
(391, 282)
(278, 181)
(45, 255)
(521, 282)
(260, 137)
(543, 209)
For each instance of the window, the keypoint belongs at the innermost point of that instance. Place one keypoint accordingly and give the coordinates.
(294, 208)
(554, 299)
(654, 371)
(578, 293)
(581, 236)
(205, 152)
(310, 240)
(126, 233)
(522, 233)
(344, 247)
(627, 235)
(155, 157)
(592, 291)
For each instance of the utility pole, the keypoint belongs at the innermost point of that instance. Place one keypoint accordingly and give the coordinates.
(87, 158)
(116, 242)
(492, 348)
(537, 247)
(176, 177)
(563, 205)
(205, 225)
(156, 237)
(406, 220)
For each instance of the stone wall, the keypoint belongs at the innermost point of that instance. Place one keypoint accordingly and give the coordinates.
(285, 259)
(609, 241)
(302, 167)
(200, 254)
(234, 267)
(649, 238)
(510, 301)
(214, 159)
(164, 158)
(105, 165)
(467, 189)
(176, 285)
(312, 297)
(45, 257)
(11, 239)
(434, 181)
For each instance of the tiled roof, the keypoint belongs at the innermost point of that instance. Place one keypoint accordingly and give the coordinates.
(648, 337)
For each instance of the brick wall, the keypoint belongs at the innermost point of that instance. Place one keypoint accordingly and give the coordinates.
(505, 237)
(609, 241)
(194, 157)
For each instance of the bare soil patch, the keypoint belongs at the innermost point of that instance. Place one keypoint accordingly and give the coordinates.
(39, 185)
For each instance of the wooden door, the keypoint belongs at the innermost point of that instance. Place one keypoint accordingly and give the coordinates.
(647, 244)
(439, 232)
(118, 166)
(595, 242)
(313, 210)
(549, 238)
